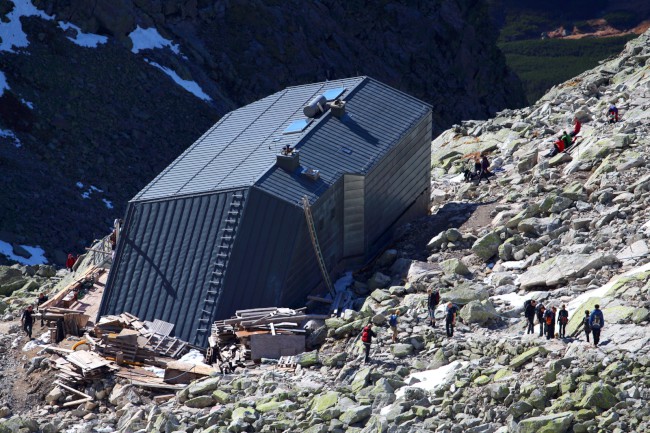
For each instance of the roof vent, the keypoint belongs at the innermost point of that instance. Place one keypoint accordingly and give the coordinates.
(288, 159)
(316, 106)
(310, 173)
(338, 108)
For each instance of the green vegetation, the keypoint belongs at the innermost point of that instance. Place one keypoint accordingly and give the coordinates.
(541, 64)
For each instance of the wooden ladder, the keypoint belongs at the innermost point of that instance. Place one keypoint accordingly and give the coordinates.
(314, 241)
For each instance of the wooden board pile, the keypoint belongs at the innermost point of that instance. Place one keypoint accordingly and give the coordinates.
(126, 337)
(81, 366)
(230, 339)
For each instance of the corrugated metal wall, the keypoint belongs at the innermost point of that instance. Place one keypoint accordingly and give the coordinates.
(262, 255)
(353, 215)
(395, 183)
(165, 259)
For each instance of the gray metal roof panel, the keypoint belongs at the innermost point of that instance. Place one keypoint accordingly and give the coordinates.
(242, 146)
(377, 117)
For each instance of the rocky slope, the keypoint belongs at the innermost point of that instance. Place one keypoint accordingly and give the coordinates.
(98, 96)
(566, 230)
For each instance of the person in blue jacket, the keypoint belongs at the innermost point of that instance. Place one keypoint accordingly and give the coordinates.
(596, 323)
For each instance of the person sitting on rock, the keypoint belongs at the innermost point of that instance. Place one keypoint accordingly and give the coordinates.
(562, 320)
(596, 323)
(568, 140)
(612, 112)
(558, 147)
(485, 172)
(450, 319)
(576, 127)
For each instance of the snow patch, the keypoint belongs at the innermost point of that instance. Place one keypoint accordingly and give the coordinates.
(11, 33)
(88, 40)
(85, 195)
(193, 357)
(108, 203)
(160, 372)
(41, 341)
(515, 299)
(79, 185)
(10, 134)
(191, 86)
(37, 254)
(432, 379)
(149, 39)
(94, 188)
(601, 291)
(3, 82)
(344, 282)
(27, 103)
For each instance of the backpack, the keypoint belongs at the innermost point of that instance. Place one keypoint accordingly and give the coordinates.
(596, 322)
(538, 308)
(365, 335)
(392, 320)
(527, 304)
(436, 297)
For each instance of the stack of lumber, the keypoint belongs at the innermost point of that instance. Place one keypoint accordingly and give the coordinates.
(93, 273)
(77, 367)
(137, 340)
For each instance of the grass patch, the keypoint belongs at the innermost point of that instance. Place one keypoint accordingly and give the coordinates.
(541, 64)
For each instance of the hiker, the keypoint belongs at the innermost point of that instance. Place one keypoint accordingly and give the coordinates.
(27, 320)
(539, 311)
(392, 321)
(529, 313)
(41, 298)
(568, 140)
(549, 319)
(450, 319)
(69, 263)
(558, 147)
(366, 338)
(585, 322)
(432, 304)
(485, 165)
(562, 320)
(612, 112)
(596, 323)
(576, 127)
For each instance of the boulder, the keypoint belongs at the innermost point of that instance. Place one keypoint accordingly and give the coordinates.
(522, 359)
(464, 294)
(402, 350)
(308, 359)
(378, 281)
(204, 387)
(200, 401)
(635, 250)
(356, 414)
(322, 402)
(554, 423)
(558, 270)
(387, 258)
(454, 266)
(599, 396)
(11, 279)
(479, 312)
(487, 246)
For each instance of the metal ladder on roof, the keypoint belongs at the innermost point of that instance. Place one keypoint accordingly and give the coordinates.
(314, 241)
(224, 249)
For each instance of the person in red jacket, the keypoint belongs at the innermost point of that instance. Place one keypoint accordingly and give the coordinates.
(558, 147)
(69, 263)
(576, 127)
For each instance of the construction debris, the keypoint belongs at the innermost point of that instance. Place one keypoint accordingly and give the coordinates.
(257, 333)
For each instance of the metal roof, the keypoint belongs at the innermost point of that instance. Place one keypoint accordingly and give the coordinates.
(242, 146)
(377, 117)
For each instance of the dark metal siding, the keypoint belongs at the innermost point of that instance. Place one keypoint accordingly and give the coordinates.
(396, 183)
(261, 255)
(165, 260)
